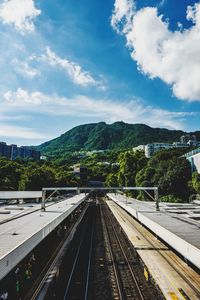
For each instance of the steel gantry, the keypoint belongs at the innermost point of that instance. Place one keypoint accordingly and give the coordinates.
(89, 189)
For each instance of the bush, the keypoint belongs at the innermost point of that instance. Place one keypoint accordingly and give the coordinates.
(170, 198)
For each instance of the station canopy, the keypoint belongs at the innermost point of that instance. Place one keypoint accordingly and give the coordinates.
(5, 195)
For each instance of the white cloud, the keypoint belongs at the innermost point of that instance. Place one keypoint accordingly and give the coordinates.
(24, 98)
(72, 69)
(122, 14)
(11, 117)
(20, 132)
(20, 14)
(24, 69)
(81, 106)
(171, 56)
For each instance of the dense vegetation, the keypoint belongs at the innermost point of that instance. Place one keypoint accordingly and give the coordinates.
(116, 166)
(30, 175)
(167, 169)
(171, 173)
(116, 136)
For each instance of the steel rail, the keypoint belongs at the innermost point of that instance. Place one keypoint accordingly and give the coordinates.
(124, 254)
(163, 255)
(67, 290)
(108, 244)
(74, 265)
(89, 263)
(39, 292)
(126, 259)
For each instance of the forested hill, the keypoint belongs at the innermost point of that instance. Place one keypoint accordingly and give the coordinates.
(118, 135)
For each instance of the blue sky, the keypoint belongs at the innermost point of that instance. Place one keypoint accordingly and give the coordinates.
(65, 63)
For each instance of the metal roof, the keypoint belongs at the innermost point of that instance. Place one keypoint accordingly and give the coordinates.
(20, 194)
(19, 236)
(8, 212)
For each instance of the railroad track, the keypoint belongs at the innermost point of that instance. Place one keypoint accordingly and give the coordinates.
(78, 282)
(169, 257)
(43, 283)
(112, 269)
(72, 271)
(125, 283)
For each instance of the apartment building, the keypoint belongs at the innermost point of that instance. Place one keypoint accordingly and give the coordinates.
(13, 151)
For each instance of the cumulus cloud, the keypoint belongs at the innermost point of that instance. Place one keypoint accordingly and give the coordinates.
(72, 69)
(171, 56)
(122, 15)
(81, 106)
(20, 14)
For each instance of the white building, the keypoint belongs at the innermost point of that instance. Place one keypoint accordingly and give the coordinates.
(194, 159)
(150, 149)
(140, 147)
(185, 141)
(180, 145)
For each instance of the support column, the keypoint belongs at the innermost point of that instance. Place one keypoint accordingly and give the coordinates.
(156, 199)
(43, 200)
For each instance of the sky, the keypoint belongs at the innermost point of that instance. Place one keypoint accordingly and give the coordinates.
(70, 62)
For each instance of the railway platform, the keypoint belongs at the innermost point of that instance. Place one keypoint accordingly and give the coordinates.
(26, 226)
(178, 224)
(175, 277)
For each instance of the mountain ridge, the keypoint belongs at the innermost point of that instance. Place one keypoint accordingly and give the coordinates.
(102, 136)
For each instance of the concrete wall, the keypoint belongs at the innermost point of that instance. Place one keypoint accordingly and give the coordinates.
(196, 162)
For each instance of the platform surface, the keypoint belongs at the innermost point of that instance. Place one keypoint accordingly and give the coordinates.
(20, 235)
(15, 210)
(178, 224)
(175, 278)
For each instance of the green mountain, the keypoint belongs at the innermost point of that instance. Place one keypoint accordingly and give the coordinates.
(119, 135)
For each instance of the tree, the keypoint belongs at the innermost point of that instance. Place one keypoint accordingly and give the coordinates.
(65, 178)
(196, 182)
(171, 175)
(145, 178)
(112, 180)
(10, 172)
(130, 163)
(37, 178)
